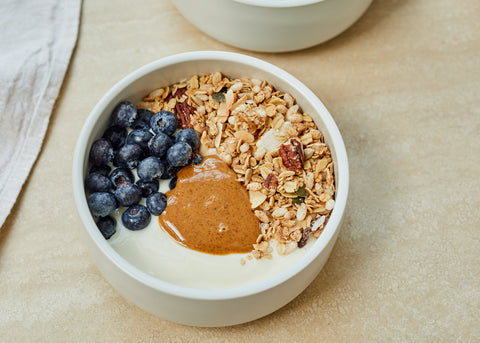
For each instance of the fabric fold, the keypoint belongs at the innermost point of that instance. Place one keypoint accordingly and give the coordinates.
(36, 45)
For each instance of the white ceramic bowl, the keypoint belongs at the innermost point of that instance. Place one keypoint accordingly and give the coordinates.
(204, 307)
(272, 25)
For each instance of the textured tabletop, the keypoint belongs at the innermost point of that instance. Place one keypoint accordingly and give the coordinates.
(403, 85)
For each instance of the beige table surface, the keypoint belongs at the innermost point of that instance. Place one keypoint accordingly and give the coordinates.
(403, 85)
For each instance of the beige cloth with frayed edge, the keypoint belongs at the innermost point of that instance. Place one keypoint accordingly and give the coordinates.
(36, 45)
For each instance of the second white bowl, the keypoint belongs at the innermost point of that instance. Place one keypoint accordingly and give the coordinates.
(272, 25)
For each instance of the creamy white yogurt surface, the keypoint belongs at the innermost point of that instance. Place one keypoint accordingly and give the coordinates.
(156, 253)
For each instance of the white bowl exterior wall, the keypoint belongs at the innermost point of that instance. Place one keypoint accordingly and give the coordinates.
(269, 28)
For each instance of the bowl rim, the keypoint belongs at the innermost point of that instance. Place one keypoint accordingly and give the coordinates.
(279, 3)
(333, 225)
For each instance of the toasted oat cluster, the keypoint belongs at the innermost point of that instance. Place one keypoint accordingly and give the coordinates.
(276, 151)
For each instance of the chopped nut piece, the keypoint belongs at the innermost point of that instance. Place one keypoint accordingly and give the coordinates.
(244, 136)
(329, 205)
(259, 153)
(279, 212)
(184, 111)
(301, 212)
(271, 181)
(254, 186)
(290, 186)
(227, 158)
(318, 223)
(262, 216)
(244, 147)
(256, 198)
(292, 155)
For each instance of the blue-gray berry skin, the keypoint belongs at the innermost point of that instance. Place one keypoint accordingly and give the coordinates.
(101, 152)
(159, 144)
(170, 171)
(102, 204)
(179, 154)
(102, 170)
(196, 159)
(124, 114)
(136, 217)
(173, 182)
(128, 194)
(189, 136)
(116, 135)
(150, 168)
(96, 182)
(128, 156)
(164, 121)
(140, 137)
(143, 119)
(147, 187)
(156, 203)
(107, 226)
(121, 175)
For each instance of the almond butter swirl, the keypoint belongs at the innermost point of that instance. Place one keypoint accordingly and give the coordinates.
(209, 210)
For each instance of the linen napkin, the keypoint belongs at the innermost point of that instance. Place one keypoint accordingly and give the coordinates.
(36, 43)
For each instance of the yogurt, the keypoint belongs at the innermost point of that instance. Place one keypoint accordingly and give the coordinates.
(156, 253)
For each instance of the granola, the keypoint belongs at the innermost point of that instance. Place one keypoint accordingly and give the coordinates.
(274, 148)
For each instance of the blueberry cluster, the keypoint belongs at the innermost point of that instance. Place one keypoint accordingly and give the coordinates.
(145, 143)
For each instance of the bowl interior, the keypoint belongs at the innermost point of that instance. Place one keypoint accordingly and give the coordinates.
(173, 69)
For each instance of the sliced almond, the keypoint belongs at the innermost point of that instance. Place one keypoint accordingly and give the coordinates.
(244, 136)
(279, 212)
(256, 198)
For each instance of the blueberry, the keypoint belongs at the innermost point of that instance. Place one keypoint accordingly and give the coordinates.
(128, 194)
(143, 119)
(159, 144)
(189, 136)
(124, 114)
(101, 152)
(101, 204)
(170, 171)
(196, 159)
(147, 187)
(179, 154)
(107, 226)
(140, 137)
(96, 182)
(121, 175)
(156, 203)
(150, 169)
(173, 182)
(116, 135)
(164, 121)
(128, 156)
(136, 217)
(103, 169)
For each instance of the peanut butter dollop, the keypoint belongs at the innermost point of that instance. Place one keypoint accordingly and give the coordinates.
(209, 210)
